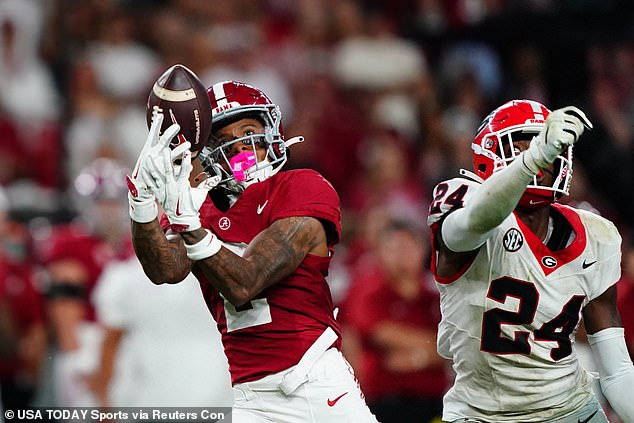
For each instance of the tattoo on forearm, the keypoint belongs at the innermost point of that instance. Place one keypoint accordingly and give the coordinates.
(162, 260)
(271, 256)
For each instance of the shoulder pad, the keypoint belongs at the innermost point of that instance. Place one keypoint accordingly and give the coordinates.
(448, 196)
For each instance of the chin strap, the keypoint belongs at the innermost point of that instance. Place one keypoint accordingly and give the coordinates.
(470, 175)
(246, 170)
(293, 140)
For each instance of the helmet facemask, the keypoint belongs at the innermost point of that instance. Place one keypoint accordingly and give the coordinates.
(497, 143)
(232, 101)
(246, 168)
(499, 150)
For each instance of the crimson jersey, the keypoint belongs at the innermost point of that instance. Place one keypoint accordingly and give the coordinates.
(25, 305)
(272, 331)
(375, 301)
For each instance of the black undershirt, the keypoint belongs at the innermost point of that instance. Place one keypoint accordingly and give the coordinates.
(562, 230)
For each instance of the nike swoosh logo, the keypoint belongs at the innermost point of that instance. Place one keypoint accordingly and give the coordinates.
(261, 207)
(585, 265)
(589, 418)
(331, 403)
(178, 206)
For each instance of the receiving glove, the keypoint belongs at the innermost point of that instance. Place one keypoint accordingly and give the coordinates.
(200, 192)
(142, 207)
(562, 129)
(170, 182)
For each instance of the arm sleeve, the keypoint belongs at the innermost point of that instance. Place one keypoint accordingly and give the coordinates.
(615, 369)
(469, 227)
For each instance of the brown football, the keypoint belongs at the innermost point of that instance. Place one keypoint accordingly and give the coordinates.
(183, 99)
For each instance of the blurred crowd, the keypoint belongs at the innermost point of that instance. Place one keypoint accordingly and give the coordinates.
(388, 95)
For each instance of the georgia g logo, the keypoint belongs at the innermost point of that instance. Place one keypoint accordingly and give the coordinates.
(549, 262)
(513, 240)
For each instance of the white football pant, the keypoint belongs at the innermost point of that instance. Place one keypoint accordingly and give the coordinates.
(330, 394)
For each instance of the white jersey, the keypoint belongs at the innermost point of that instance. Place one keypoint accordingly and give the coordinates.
(509, 317)
(171, 352)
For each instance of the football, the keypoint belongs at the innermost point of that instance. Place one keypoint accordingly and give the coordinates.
(183, 99)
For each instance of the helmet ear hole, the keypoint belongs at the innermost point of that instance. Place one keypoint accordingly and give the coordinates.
(482, 168)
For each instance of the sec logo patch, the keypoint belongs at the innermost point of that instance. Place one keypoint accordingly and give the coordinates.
(513, 240)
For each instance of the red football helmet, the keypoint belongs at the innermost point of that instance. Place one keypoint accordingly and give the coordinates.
(231, 101)
(493, 148)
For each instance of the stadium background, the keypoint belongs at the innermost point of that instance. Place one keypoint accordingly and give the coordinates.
(387, 93)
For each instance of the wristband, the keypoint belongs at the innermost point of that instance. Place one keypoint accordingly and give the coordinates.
(142, 211)
(205, 248)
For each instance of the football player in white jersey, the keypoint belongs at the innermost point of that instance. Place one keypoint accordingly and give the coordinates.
(517, 271)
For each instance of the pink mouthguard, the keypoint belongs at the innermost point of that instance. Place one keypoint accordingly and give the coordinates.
(240, 163)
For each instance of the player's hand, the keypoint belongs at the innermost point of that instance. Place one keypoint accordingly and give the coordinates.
(180, 201)
(200, 191)
(140, 196)
(563, 129)
(175, 192)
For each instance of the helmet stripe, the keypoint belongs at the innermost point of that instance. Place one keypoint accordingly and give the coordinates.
(219, 94)
(537, 109)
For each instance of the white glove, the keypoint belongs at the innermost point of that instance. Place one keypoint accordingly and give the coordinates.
(200, 192)
(562, 129)
(140, 197)
(173, 190)
(168, 177)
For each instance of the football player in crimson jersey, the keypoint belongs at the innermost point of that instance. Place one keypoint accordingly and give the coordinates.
(260, 243)
(517, 271)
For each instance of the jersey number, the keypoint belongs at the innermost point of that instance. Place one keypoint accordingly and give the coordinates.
(556, 330)
(254, 313)
(455, 200)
